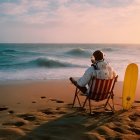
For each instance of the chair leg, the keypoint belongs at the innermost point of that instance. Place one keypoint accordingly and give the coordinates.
(85, 102)
(113, 104)
(88, 102)
(76, 96)
(107, 102)
(78, 100)
(112, 107)
(89, 105)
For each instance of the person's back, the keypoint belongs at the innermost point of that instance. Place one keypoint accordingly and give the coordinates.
(103, 70)
(99, 69)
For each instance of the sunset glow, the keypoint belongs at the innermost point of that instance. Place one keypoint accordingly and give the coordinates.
(70, 21)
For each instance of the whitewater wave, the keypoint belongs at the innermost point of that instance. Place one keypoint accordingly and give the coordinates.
(42, 62)
(78, 52)
(52, 63)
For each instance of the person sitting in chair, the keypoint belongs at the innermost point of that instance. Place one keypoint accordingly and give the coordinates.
(100, 69)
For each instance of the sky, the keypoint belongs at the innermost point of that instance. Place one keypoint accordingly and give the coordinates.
(70, 21)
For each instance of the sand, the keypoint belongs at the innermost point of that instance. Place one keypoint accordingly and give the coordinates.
(42, 111)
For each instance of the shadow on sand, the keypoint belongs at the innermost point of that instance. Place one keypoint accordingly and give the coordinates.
(77, 125)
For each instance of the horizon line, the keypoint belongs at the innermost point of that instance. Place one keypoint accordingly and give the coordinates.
(66, 43)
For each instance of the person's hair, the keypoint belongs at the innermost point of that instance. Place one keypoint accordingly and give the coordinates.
(98, 55)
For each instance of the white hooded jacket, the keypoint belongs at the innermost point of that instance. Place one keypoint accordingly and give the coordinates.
(101, 69)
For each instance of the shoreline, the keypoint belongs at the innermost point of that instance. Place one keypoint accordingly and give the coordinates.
(46, 86)
(52, 88)
(16, 82)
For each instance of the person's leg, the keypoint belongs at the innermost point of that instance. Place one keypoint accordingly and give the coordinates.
(73, 81)
(83, 89)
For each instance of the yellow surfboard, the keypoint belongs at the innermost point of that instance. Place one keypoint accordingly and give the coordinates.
(129, 85)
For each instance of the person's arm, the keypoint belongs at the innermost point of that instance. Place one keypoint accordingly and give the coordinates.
(84, 80)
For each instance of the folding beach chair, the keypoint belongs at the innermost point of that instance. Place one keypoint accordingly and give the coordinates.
(100, 90)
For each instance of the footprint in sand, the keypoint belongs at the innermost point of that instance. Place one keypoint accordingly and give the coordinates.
(43, 97)
(50, 112)
(18, 123)
(134, 117)
(28, 117)
(58, 108)
(33, 102)
(135, 130)
(11, 112)
(3, 108)
(62, 112)
(122, 130)
(47, 111)
(57, 101)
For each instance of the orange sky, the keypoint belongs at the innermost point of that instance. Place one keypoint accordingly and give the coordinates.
(67, 21)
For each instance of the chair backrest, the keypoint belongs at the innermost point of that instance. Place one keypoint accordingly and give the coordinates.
(101, 88)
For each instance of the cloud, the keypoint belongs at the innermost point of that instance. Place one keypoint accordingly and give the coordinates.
(18, 7)
(108, 3)
(77, 20)
(62, 12)
(12, 9)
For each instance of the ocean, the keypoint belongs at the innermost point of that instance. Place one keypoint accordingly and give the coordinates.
(32, 62)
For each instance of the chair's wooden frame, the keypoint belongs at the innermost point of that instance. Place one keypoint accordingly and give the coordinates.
(100, 90)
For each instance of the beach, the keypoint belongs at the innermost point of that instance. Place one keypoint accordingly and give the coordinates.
(45, 42)
(42, 110)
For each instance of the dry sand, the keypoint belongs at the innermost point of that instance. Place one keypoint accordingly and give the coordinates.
(42, 111)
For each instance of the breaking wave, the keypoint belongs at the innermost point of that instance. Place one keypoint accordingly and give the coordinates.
(79, 52)
(42, 62)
